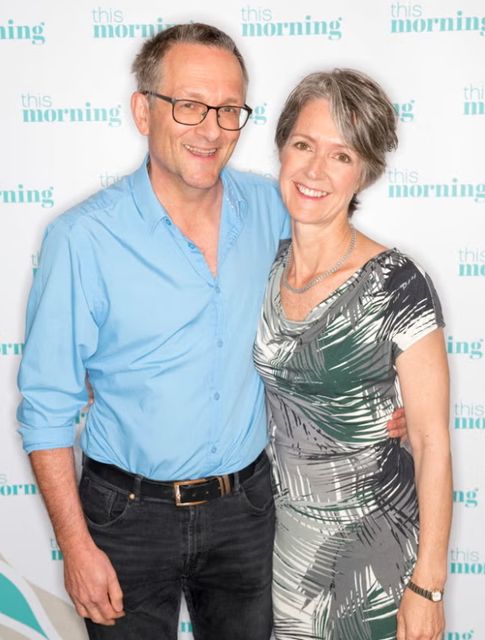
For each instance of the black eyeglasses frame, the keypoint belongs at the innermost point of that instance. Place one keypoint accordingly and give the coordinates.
(173, 102)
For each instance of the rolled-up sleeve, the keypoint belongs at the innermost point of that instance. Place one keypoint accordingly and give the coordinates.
(61, 335)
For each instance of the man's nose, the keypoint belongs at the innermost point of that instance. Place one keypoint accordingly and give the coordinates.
(209, 127)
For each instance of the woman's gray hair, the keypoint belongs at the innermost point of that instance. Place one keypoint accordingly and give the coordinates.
(363, 114)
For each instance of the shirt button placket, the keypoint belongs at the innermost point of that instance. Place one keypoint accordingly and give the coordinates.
(216, 395)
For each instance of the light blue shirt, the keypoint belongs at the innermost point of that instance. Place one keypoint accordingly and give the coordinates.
(122, 294)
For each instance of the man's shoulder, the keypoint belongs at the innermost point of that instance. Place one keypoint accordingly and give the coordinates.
(93, 210)
(250, 183)
(261, 201)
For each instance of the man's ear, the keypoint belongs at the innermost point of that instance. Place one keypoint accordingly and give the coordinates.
(141, 112)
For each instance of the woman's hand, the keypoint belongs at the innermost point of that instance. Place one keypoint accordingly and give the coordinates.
(397, 426)
(419, 618)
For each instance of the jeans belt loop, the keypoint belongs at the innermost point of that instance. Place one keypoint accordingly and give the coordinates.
(224, 484)
(136, 493)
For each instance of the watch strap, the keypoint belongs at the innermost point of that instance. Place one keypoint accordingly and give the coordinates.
(435, 595)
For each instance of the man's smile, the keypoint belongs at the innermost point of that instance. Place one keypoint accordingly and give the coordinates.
(199, 151)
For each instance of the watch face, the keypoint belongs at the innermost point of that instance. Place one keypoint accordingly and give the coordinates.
(436, 596)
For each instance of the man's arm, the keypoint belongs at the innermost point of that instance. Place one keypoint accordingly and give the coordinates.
(62, 334)
(89, 575)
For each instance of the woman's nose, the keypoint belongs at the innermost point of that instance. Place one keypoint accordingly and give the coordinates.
(316, 167)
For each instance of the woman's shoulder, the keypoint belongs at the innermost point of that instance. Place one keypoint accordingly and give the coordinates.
(281, 255)
(407, 285)
(282, 249)
(278, 266)
(400, 270)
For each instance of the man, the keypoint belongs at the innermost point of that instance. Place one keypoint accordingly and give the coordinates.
(153, 287)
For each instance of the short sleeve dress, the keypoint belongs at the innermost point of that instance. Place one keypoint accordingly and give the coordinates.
(347, 513)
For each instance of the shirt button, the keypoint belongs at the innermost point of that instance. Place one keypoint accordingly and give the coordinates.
(217, 289)
(191, 245)
(213, 449)
(219, 343)
(217, 395)
(168, 222)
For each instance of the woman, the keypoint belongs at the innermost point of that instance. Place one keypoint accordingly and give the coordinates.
(343, 316)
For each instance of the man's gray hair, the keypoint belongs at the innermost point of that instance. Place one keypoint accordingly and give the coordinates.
(362, 112)
(147, 64)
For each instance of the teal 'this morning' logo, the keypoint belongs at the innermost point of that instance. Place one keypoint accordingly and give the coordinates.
(474, 102)
(110, 23)
(404, 111)
(466, 562)
(472, 349)
(467, 498)
(81, 416)
(11, 31)
(108, 179)
(259, 115)
(9, 489)
(406, 183)
(469, 416)
(34, 259)
(471, 262)
(459, 635)
(260, 22)
(409, 18)
(22, 195)
(40, 109)
(55, 550)
(11, 348)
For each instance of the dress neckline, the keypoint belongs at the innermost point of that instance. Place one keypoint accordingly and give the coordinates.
(355, 276)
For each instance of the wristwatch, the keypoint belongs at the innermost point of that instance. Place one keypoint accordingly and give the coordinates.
(435, 595)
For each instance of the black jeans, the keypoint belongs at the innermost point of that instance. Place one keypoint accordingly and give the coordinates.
(218, 554)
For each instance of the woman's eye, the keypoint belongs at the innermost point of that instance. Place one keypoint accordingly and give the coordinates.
(302, 146)
(344, 157)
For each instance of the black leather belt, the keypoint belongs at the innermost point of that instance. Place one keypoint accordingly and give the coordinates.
(184, 493)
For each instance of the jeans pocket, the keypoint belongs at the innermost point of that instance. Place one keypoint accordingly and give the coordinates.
(103, 506)
(257, 491)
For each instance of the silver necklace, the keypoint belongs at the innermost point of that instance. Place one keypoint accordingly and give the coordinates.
(321, 276)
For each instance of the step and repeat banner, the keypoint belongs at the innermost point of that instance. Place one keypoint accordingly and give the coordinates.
(66, 131)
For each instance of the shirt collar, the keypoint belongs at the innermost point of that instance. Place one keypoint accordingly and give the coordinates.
(147, 203)
(232, 192)
(152, 211)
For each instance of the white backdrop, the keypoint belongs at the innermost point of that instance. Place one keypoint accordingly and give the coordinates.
(66, 131)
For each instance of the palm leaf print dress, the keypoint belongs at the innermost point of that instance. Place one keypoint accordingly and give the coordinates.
(347, 514)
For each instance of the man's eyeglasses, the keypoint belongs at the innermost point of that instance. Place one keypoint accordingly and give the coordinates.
(192, 112)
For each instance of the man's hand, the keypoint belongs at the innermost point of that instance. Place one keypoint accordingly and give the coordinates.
(89, 576)
(397, 426)
(93, 585)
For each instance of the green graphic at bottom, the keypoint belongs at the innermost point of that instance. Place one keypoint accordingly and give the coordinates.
(14, 605)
